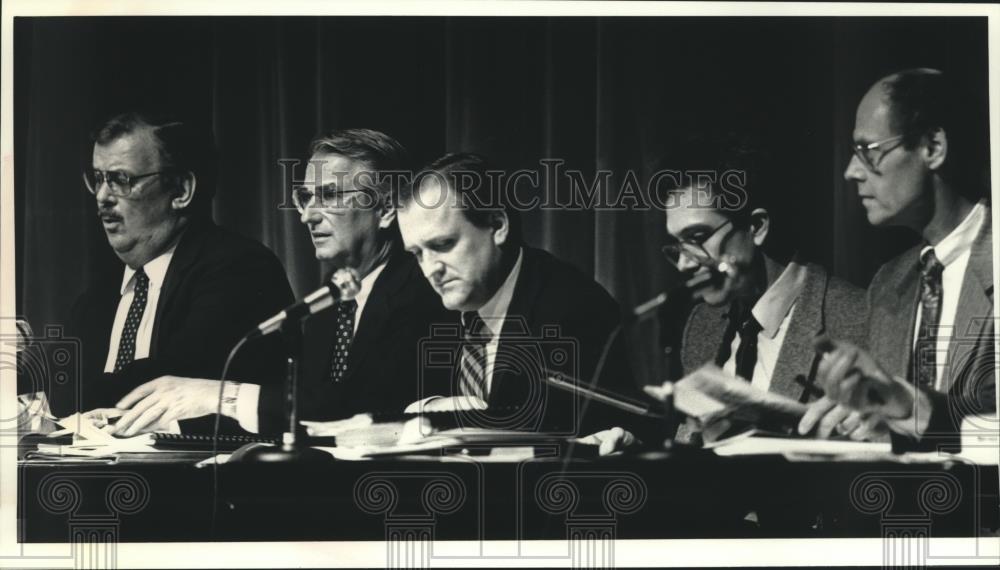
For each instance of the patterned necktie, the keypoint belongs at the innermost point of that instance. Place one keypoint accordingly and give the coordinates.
(930, 315)
(342, 344)
(473, 362)
(746, 354)
(126, 346)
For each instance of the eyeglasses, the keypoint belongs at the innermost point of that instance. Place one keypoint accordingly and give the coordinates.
(871, 154)
(119, 183)
(692, 247)
(330, 196)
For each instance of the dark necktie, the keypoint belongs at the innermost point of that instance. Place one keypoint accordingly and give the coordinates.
(746, 354)
(126, 345)
(930, 316)
(472, 365)
(342, 342)
(742, 321)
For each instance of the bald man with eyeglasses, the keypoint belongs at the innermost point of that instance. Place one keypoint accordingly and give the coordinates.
(921, 162)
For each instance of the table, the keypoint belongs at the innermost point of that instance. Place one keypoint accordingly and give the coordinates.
(654, 495)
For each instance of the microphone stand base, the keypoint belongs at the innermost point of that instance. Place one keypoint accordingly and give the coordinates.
(266, 453)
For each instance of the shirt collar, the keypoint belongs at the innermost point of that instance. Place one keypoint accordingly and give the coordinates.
(367, 283)
(494, 311)
(775, 304)
(960, 239)
(155, 269)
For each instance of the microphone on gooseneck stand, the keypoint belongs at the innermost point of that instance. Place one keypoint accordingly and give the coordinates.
(343, 286)
(724, 268)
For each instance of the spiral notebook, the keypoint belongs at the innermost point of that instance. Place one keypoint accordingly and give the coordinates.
(147, 443)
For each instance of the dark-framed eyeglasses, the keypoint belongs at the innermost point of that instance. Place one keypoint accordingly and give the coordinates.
(871, 154)
(693, 247)
(328, 196)
(119, 183)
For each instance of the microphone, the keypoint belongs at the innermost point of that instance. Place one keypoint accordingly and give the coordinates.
(726, 267)
(343, 286)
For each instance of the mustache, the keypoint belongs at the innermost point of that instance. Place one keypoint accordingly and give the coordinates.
(109, 215)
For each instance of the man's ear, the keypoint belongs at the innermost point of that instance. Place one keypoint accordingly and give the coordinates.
(936, 149)
(501, 226)
(760, 224)
(186, 186)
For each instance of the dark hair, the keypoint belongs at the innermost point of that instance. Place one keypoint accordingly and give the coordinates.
(741, 166)
(922, 100)
(482, 195)
(180, 144)
(380, 152)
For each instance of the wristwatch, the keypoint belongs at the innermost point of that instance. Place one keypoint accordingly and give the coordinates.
(230, 394)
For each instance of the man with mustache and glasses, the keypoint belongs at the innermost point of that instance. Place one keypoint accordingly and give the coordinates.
(921, 149)
(188, 289)
(361, 355)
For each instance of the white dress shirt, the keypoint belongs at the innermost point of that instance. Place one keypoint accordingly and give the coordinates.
(493, 314)
(155, 270)
(953, 252)
(249, 394)
(774, 312)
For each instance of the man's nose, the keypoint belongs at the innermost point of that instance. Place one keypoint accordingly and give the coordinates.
(431, 266)
(686, 263)
(309, 216)
(855, 171)
(103, 193)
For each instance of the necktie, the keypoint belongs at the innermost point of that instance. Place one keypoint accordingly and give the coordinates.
(342, 342)
(746, 354)
(126, 346)
(472, 365)
(930, 315)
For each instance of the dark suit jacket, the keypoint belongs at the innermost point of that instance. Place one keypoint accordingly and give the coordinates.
(384, 372)
(559, 319)
(968, 383)
(826, 304)
(217, 288)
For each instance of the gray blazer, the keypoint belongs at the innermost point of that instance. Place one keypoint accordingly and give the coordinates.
(826, 304)
(969, 385)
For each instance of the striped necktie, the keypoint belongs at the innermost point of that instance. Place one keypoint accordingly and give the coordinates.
(473, 362)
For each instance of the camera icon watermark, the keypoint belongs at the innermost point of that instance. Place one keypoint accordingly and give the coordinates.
(43, 363)
(966, 370)
(514, 373)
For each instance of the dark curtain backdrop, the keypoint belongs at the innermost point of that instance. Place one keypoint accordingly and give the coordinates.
(616, 94)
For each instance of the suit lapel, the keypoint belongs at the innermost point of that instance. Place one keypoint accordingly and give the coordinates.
(378, 308)
(975, 303)
(515, 326)
(184, 256)
(703, 335)
(317, 346)
(797, 353)
(892, 315)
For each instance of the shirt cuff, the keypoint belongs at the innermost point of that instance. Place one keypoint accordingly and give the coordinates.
(418, 406)
(246, 407)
